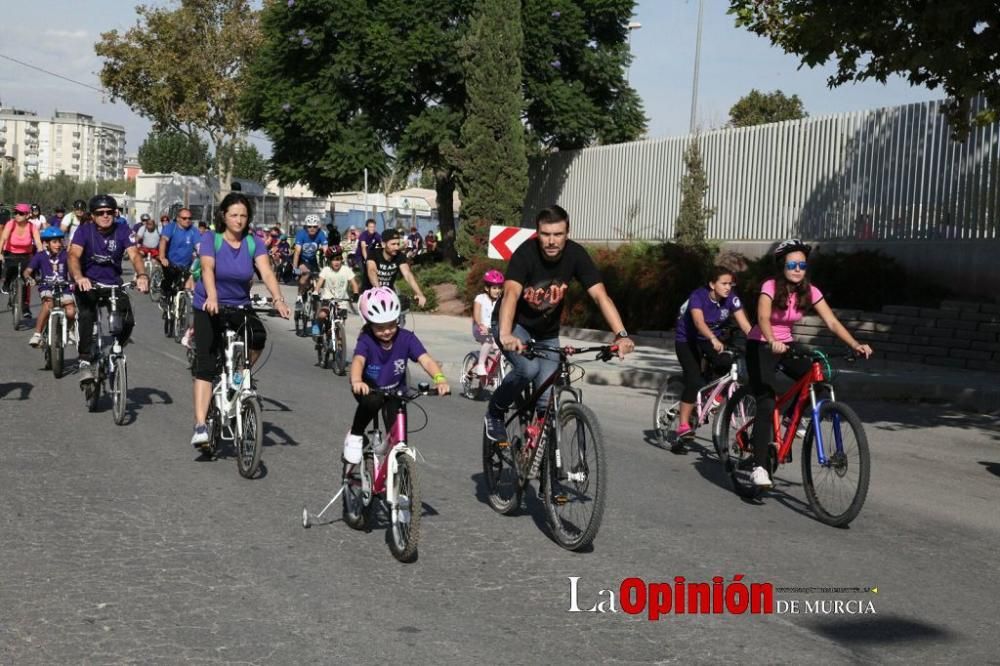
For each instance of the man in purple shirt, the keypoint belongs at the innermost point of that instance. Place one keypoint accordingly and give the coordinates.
(95, 258)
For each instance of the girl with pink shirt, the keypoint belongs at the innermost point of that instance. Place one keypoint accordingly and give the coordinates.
(783, 301)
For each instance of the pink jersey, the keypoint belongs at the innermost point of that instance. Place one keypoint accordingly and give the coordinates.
(21, 240)
(782, 321)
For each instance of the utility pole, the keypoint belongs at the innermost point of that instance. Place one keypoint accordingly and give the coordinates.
(697, 62)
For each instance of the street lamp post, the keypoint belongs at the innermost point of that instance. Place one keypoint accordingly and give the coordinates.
(632, 25)
(697, 62)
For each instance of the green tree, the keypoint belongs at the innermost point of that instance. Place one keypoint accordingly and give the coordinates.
(184, 69)
(694, 214)
(493, 162)
(174, 152)
(948, 44)
(757, 108)
(341, 87)
(247, 162)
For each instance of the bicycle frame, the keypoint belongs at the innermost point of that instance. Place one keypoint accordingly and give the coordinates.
(804, 388)
(57, 312)
(227, 401)
(726, 383)
(385, 469)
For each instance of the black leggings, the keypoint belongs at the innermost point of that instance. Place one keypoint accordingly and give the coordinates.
(210, 339)
(368, 409)
(87, 303)
(173, 280)
(690, 354)
(762, 366)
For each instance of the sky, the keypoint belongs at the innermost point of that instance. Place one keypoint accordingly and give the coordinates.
(733, 61)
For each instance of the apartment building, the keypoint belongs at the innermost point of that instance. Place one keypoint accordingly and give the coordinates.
(68, 143)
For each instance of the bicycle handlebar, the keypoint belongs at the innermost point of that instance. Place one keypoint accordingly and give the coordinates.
(604, 352)
(407, 393)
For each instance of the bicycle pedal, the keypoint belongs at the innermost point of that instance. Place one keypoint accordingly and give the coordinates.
(561, 500)
(503, 445)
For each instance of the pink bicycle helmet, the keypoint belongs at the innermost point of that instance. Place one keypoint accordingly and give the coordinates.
(493, 277)
(379, 306)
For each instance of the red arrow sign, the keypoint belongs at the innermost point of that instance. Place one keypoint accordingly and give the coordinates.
(504, 240)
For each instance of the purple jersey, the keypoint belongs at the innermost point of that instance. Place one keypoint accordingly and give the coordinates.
(43, 266)
(387, 367)
(103, 252)
(233, 271)
(371, 240)
(715, 314)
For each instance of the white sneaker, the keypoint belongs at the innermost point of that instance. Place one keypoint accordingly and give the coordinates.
(760, 478)
(479, 370)
(803, 426)
(36, 339)
(186, 340)
(353, 444)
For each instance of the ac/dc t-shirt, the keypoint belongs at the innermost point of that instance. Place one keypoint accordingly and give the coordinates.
(386, 269)
(386, 368)
(715, 313)
(545, 284)
(102, 253)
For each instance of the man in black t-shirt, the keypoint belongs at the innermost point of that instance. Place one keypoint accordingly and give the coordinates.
(538, 277)
(385, 264)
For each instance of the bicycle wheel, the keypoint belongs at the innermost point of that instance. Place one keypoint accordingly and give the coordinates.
(404, 527)
(180, 324)
(340, 354)
(503, 486)
(168, 320)
(17, 307)
(574, 477)
(666, 410)
(250, 440)
(119, 391)
(155, 279)
(837, 490)
(55, 350)
(92, 393)
(471, 386)
(321, 353)
(356, 500)
(733, 446)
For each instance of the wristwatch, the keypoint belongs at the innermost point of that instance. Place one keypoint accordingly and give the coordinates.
(621, 334)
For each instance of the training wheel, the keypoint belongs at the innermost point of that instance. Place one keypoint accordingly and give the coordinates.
(305, 517)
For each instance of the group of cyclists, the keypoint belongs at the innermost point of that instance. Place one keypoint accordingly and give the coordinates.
(525, 304)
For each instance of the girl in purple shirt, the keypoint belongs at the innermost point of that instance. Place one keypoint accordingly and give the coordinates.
(701, 320)
(380, 360)
(783, 301)
(226, 276)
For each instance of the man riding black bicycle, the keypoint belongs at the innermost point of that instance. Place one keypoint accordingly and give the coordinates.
(177, 245)
(95, 256)
(534, 293)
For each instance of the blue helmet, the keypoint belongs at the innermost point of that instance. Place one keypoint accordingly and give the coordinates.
(52, 233)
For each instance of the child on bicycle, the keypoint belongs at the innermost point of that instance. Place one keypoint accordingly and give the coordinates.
(482, 313)
(43, 266)
(783, 300)
(699, 325)
(333, 283)
(380, 360)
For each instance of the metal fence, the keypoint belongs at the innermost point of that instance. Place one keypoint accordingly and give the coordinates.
(885, 174)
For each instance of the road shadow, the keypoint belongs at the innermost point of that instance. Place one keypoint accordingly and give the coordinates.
(917, 417)
(277, 436)
(149, 396)
(878, 630)
(278, 405)
(991, 467)
(23, 388)
(227, 453)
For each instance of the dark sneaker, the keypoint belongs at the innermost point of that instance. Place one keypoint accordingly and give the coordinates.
(496, 430)
(27, 314)
(86, 372)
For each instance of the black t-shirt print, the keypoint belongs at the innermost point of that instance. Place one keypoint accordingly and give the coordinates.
(545, 284)
(386, 269)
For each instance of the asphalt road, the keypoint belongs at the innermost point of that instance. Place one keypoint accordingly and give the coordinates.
(118, 546)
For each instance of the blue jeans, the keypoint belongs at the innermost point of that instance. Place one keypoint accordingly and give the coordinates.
(524, 370)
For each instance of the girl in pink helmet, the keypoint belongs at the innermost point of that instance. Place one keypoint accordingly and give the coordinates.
(380, 360)
(482, 315)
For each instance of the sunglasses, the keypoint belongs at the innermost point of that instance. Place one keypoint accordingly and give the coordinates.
(184, 218)
(102, 213)
(792, 265)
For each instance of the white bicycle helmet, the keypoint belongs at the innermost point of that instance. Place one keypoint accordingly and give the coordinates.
(379, 306)
(312, 220)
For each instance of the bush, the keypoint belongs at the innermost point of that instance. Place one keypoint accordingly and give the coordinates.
(403, 289)
(647, 282)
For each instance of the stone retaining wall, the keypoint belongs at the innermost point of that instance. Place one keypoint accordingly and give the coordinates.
(957, 334)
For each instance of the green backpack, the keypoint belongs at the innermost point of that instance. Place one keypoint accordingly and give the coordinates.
(196, 266)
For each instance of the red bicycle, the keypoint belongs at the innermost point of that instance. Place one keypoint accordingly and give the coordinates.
(836, 465)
